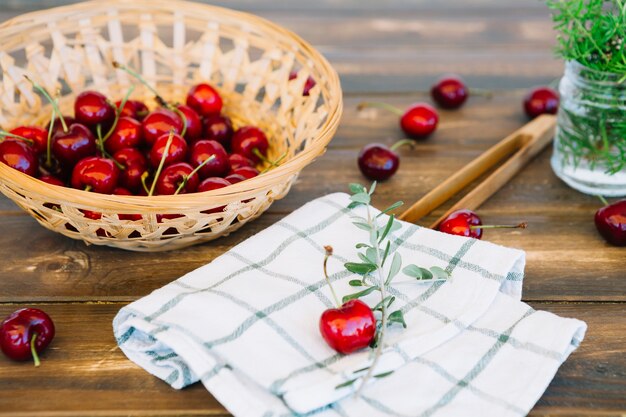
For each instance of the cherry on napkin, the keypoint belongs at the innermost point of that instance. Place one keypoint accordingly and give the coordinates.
(246, 326)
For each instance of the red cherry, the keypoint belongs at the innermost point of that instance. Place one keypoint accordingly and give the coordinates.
(246, 172)
(541, 100)
(128, 133)
(72, 146)
(218, 128)
(450, 92)
(173, 176)
(459, 223)
(378, 162)
(308, 84)
(212, 183)
(176, 153)
(38, 135)
(235, 178)
(238, 161)
(160, 122)
(204, 149)
(194, 123)
(611, 223)
(349, 328)
(22, 328)
(204, 99)
(250, 141)
(133, 108)
(98, 174)
(92, 108)
(50, 179)
(419, 121)
(135, 164)
(18, 155)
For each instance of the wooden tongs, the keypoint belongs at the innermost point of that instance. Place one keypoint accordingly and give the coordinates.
(519, 147)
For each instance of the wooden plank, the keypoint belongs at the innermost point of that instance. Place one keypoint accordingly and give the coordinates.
(83, 373)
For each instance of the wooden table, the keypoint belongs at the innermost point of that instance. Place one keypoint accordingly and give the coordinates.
(383, 50)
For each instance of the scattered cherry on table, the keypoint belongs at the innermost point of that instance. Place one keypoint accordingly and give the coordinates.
(610, 221)
(467, 223)
(541, 100)
(26, 333)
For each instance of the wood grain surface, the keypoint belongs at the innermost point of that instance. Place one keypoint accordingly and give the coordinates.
(387, 50)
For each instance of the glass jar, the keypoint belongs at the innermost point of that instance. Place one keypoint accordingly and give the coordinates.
(590, 141)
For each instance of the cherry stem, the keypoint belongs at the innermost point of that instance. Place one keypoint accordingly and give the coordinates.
(403, 142)
(523, 225)
(88, 187)
(139, 78)
(49, 142)
(328, 254)
(5, 134)
(144, 177)
(601, 198)
(191, 174)
(380, 105)
(33, 349)
(182, 117)
(103, 151)
(118, 113)
(481, 92)
(280, 159)
(263, 158)
(54, 104)
(161, 163)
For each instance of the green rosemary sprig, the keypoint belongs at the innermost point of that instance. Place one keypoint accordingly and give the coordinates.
(378, 265)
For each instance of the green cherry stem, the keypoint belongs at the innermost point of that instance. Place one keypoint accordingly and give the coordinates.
(403, 142)
(5, 134)
(118, 113)
(161, 163)
(481, 92)
(279, 160)
(263, 158)
(601, 198)
(54, 103)
(182, 117)
(144, 177)
(380, 105)
(191, 174)
(33, 349)
(88, 187)
(103, 151)
(523, 225)
(49, 141)
(139, 78)
(328, 254)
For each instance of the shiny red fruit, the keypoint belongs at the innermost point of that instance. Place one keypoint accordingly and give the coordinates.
(18, 155)
(92, 108)
(419, 121)
(38, 135)
(459, 223)
(541, 100)
(71, 147)
(238, 161)
(173, 176)
(450, 92)
(194, 123)
(204, 99)
(98, 174)
(128, 133)
(349, 328)
(249, 141)
(133, 108)
(378, 162)
(177, 151)
(160, 122)
(135, 164)
(52, 180)
(246, 172)
(234, 178)
(611, 223)
(212, 183)
(218, 128)
(308, 84)
(204, 149)
(17, 331)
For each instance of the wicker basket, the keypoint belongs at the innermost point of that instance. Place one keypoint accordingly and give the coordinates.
(173, 44)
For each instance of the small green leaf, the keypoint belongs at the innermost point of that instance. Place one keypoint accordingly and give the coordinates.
(359, 268)
(354, 204)
(372, 188)
(384, 374)
(396, 264)
(362, 245)
(365, 259)
(396, 317)
(386, 253)
(356, 188)
(362, 198)
(439, 273)
(417, 272)
(361, 370)
(387, 228)
(358, 294)
(386, 302)
(390, 208)
(371, 254)
(426, 274)
(355, 283)
(346, 384)
(363, 226)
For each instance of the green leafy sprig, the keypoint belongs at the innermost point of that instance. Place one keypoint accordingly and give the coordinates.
(378, 265)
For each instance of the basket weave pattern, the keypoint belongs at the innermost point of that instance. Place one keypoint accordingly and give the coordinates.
(173, 45)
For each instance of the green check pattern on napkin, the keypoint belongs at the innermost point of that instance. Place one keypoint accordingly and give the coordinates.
(245, 325)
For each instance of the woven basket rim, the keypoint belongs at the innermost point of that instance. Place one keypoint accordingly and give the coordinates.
(194, 200)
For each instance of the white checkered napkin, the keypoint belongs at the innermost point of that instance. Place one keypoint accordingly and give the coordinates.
(246, 325)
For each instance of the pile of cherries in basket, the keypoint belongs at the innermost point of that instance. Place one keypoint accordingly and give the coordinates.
(123, 148)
